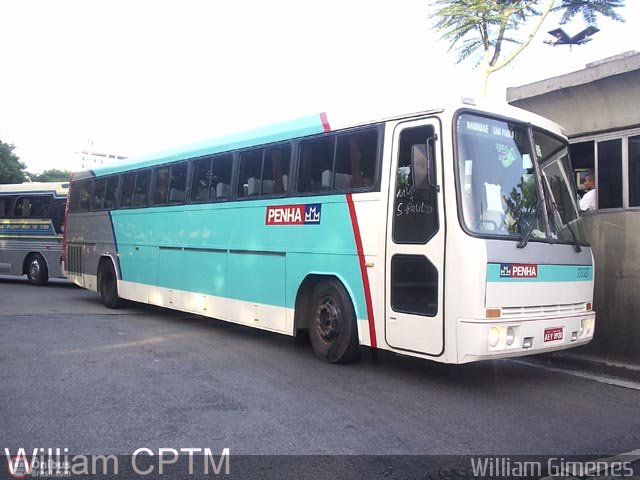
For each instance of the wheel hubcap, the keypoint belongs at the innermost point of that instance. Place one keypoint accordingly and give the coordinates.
(34, 269)
(327, 318)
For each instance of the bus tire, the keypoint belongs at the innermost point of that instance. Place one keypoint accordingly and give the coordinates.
(37, 270)
(108, 284)
(332, 325)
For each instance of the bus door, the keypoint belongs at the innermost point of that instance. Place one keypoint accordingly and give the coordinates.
(415, 245)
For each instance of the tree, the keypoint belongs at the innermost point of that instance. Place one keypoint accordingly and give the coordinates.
(51, 175)
(12, 170)
(485, 27)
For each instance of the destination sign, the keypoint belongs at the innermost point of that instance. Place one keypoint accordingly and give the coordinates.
(481, 126)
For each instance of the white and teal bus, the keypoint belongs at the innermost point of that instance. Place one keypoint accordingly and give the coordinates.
(31, 224)
(451, 234)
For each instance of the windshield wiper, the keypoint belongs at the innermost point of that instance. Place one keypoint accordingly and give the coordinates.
(576, 244)
(532, 215)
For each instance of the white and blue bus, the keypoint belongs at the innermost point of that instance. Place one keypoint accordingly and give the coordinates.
(451, 234)
(31, 224)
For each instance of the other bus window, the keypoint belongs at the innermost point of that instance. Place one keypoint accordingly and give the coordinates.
(40, 206)
(141, 196)
(80, 196)
(5, 206)
(98, 193)
(22, 207)
(201, 180)
(356, 156)
(249, 180)
(57, 214)
(111, 192)
(161, 195)
(316, 165)
(275, 173)
(128, 186)
(178, 183)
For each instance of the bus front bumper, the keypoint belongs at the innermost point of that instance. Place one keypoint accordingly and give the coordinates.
(488, 339)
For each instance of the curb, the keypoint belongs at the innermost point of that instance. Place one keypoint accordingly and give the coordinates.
(593, 363)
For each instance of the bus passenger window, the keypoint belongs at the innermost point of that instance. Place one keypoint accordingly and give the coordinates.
(178, 183)
(161, 194)
(249, 180)
(128, 185)
(111, 192)
(316, 165)
(356, 160)
(275, 174)
(141, 196)
(200, 179)
(220, 183)
(98, 194)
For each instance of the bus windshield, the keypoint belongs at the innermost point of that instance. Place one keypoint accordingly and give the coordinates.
(559, 189)
(498, 187)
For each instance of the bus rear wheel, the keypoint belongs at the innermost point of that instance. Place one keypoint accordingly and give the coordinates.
(332, 328)
(37, 270)
(108, 284)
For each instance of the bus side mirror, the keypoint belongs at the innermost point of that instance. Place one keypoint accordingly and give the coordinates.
(422, 168)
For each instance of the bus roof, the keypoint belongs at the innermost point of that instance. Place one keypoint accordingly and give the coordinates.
(59, 188)
(305, 126)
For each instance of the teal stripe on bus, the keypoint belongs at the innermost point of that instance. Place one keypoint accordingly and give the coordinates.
(226, 249)
(545, 273)
(301, 127)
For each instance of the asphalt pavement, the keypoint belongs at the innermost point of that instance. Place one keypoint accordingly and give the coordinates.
(76, 375)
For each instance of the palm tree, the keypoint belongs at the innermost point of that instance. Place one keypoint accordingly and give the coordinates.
(485, 26)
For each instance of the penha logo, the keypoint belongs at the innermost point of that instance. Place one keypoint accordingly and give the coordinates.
(518, 270)
(294, 214)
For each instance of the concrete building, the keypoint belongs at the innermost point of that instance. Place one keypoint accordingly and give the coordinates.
(599, 107)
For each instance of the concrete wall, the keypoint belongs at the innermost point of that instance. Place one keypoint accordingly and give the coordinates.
(599, 98)
(615, 240)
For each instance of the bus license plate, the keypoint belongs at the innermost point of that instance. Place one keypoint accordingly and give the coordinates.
(552, 334)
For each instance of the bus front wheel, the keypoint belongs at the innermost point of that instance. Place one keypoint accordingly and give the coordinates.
(108, 284)
(332, 328)
(37, 270)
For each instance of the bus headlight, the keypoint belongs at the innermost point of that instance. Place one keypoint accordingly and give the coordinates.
(586, 327)
(511, 336)
(494, 336)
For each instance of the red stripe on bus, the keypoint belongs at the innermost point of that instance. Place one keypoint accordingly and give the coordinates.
(325, 122)
(363, 271)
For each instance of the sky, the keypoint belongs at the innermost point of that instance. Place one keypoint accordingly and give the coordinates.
(133, 77)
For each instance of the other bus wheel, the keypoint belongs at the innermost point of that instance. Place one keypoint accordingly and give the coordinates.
(109, 286)
(37, 270)
(332, 328)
